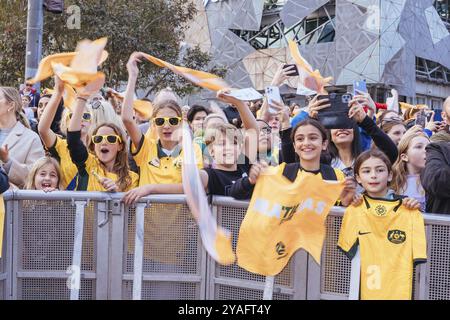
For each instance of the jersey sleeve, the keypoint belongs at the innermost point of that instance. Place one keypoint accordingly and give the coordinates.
(198, 156)
(419, 242)
(348, 235)
(140, 155)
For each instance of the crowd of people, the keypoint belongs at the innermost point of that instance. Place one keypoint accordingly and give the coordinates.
(101, 144)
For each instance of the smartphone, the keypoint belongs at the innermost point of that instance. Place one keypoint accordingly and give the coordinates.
(438, 115)
(273, 94)
(421, 119)
(294, 71)
(359, 85)
(336, 116)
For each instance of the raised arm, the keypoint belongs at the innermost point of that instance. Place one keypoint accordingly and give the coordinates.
(127, 106)
(77, 149)
(248, 121)
(381, 139)
(44, 128)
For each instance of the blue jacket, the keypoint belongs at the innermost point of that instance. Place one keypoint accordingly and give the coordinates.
(4, 182)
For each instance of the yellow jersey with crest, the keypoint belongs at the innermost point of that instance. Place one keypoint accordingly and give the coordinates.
(61, 153)
(95, 171)
(391, 239)
(155, 167)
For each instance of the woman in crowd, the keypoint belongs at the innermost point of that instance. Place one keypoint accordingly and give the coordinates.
(20, 147)
(345, 143)
(394, 129)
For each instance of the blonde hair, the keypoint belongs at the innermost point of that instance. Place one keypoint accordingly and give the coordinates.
(103, 113)
(164, 95)
(121, 166)
(214, 116)
(400, 169)
(38, 165)
(169, 104)
(12, 95)
(212, 134)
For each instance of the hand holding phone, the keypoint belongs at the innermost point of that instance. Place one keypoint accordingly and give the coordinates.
(359, 87)
(273, 94)
(421, 119)
(292, 69)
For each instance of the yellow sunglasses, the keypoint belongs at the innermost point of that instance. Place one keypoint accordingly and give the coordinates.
(110, 139)
(173, 121)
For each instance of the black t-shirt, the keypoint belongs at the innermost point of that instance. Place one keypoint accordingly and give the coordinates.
(220, 181)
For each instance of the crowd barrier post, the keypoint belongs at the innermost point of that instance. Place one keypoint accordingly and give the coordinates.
(74, 280)
(355, 275)
(138, 251)
(44, 234)
(116, 250)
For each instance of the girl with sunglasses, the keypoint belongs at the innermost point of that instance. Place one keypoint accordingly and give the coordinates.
(57, 145)
(102, 164)
(159, 160)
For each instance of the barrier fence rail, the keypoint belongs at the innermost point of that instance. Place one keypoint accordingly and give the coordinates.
(79, 245)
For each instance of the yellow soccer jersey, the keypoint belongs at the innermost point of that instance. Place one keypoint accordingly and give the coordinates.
(93, 165)
(391, 239)
(60, 152)
(157, 168)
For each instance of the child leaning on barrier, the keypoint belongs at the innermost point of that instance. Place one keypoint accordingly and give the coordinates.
(45, 175)
(158, 153)
(103, 164)
(225, 145)
(309, 140)
(373, 171)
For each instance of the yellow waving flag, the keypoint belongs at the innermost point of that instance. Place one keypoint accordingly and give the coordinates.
(199, 78)
(283, 217)
(45, 69)
(216, 240)
(143, 107)
(82, 72)
(310, 81)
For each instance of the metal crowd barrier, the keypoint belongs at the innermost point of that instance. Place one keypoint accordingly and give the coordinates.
(79, 245)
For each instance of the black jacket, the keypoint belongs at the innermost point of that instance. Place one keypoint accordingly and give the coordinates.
(436, 178)
(380, 139)
(4, 182)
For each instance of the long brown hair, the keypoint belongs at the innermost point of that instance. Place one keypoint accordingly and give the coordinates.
(12, 95)
(121, 166)
(400, 169)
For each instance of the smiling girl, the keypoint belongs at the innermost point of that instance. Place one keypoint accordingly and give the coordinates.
(103, 164)
(159, 160)
(45, 175)
(309, 141)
